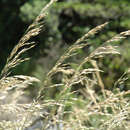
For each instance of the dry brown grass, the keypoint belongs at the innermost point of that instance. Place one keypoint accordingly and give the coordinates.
(76, 109)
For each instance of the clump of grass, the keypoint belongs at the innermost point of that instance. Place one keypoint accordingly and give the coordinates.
(77, 105)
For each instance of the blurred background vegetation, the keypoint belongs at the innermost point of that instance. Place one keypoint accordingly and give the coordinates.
(67, 20)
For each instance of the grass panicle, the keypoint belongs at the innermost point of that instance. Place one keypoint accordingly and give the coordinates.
(82, 102)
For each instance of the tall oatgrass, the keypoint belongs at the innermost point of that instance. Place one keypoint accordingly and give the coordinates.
(76, 105)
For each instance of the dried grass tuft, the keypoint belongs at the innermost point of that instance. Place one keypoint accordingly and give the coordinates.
(77, 105)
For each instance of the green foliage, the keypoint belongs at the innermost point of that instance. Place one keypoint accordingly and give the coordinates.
(31, 9)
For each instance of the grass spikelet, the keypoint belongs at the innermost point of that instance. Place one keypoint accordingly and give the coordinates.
(91, 32)
(120, 36)
(33, 30)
